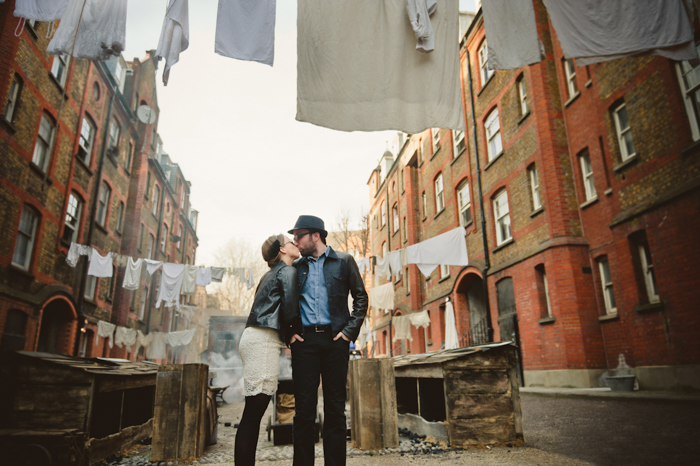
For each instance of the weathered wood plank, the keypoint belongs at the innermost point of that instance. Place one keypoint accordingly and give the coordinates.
(102, 448)
(420, 370)
(373, 404)
(464, 406)
(481, 431)
(32, 419)
(51, 398)
(390, 422)
(477, 381)
(515, 397)
(51, 374)
(166, 413)
(496, 358)
(110, 383)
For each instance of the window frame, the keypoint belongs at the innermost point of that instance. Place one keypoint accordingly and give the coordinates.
(30, 237)
(691, 94)
(59, 68)
(604, 269)
(85, 148)
(522, 96)
(120, 217)
(435, 139)
(444, 271)
(151, 244)
(647, 264)
(622, 133)
(115, 132)
(587, 176)
(493, 137)
(13, 98)
(534, 177)
(103, 204)
(90, 288)
(458, 143)
(156, 200)
(164, 238)
(502, 219)
(424, 199)
(395, 216)
(439, 194)
(144, 300)
(570, 75)
(75, 216)
(41, 157)
(483, 58)
(383, 214)
(462, 207)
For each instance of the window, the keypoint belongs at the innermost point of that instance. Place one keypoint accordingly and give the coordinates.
(13, 98)
(385, 249)
(458, 142)
(587, 174)
(13, 336)
(114, 132)
(26, 235)
(485, 72)
(90, 287)
(395, 215)
(544, 289)
(110, 283)
(420, 151)
(182, 199)
(522, 96)
(120, 217)
(535, 187)
(624, 133)
(144, 300)
(70, 230)
(464, 204)
(648, 272)
(405, 230)
(444, 271)
(402, 182)
(439, 194)
(59, 68)
(87, 140)
(606, 282)
(141, 238)
(105, 193)
(690, 86)
(148, 185)
(570, 72)
(408, 281)
(493, 135)
(164, 238)
(118, 73)
(502, 217)
(383, 208)
(129, 157)
(96, 91)
(149, 252)
(424, 201)
(42, 148)
(180, 236)
(436, 139)
(156, 197)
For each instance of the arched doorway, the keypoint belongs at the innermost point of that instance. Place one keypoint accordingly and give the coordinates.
(57, 321)
(471, 287)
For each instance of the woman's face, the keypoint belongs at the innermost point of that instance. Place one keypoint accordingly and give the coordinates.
(290, 249)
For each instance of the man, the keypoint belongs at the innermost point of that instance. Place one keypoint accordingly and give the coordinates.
(325, 278)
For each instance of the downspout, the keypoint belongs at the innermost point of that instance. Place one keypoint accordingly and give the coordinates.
(93, 211)
(484, 238)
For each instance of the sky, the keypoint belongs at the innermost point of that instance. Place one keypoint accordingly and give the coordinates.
(231, 127)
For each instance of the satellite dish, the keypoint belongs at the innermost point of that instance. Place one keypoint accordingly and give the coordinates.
(146, 114)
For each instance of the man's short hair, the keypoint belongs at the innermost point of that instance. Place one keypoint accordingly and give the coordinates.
(321, 234)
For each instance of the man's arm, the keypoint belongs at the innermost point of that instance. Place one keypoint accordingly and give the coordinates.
(359, 304)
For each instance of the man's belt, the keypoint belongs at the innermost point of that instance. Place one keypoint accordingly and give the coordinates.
(317, 328)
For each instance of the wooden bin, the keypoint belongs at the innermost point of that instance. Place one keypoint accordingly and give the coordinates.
(180, 424)
(373, 419)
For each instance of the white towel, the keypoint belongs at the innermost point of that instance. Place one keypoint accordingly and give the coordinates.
(189, 280)
(593, 31)
(40, 10)
(420, 319)
(382, 297)
(402, 328)
(419, 12)
(105, 330)
(100, 266)
(203, 276)
(449, 248)
(358, 69)
(394, 259)
(245, 29)
(170, 285)
(175, 35)
(217, 274)
(152, 266)
(383, 268)
(180, 338)
(132, 276)
(101, 29)
(511, 34)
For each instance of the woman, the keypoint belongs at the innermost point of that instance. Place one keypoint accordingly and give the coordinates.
(273, 320)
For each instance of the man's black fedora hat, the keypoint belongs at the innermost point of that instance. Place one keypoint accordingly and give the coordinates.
(309, 222)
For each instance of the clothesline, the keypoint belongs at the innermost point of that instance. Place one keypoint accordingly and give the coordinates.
(176, 279)
(154, 342)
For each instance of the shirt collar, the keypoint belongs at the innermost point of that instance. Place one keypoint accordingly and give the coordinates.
(324, 253)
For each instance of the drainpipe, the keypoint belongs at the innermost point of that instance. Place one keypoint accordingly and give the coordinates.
(93, 211)
(484, 238)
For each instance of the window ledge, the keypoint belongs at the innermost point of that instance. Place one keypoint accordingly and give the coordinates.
(444, 278)
(101, 227)
(649, 308)
(439, 212)
(85, 165)
(572, 98)
(547, 320)
(608, 192)
(498, 156)
(112, 159)
(40, 172)
(691, 149)
(537, 211)
(468, 224)
(60, 86)
(26, 273)
(589, 83)
(630, 161)
(486, 83)
(435, 152)
(609, 317)
(503, 245)
(392, 235)
(589, 202)
(458, 156)
(524, 117)
(8, 124)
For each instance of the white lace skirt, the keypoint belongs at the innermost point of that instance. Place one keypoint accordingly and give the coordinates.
(260, 352)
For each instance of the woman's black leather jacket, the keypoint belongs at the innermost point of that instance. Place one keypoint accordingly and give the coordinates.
(276, 303)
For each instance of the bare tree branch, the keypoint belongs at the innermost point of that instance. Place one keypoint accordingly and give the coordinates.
(232, 293)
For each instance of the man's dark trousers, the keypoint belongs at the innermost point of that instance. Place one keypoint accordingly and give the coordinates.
(318, 356)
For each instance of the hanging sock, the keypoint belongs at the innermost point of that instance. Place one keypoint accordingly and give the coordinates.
(98, 28)
(511, 34)
(245, 30)
(175, 35)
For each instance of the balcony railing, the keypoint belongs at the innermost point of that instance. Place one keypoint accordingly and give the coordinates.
(477, 335)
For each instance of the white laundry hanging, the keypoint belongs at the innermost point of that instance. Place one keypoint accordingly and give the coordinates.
(363, 264)
(180, 338)
(124, 337)
(394, 259)
(402, 328)
(383, 268)
(105, 330)
(189, 280)
(511, 34)
(155, 349)
(175, 35)
(449, 248)
(170, 284)
(358, 69)
(152, 266)
(100, 26)
(100, 266)
(245, 30)
(250, 281)
(140, 342)
(75, 251)
(203, 276)
(451, 337)
(420, 319)
(132, 276)
(217, 274)
(419, 12)
(40, 10)
(382, 297)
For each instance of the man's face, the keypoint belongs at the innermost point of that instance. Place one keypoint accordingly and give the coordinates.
(303, 239)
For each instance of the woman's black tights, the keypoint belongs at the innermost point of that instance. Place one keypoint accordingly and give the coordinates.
(249, 429)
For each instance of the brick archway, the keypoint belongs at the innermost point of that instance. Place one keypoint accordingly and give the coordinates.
(470, 308)
(59, 322)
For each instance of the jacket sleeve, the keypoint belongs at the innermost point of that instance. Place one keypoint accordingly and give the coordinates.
(291, 318)
(359, 300)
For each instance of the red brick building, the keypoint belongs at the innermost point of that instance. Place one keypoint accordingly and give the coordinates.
(589, 184)
(77, 165)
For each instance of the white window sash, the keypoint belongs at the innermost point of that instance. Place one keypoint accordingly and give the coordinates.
(501, 214)
(570, 77)
(622, 133)
(691, 105)
(24, 243)
(608, 291)
(587, 174)
(648, 270)
(12, 100)
(546, 294)
(439, 199)
(458, 142)
(90, 287)
(535, 187)
(464, 202)
(522, 91)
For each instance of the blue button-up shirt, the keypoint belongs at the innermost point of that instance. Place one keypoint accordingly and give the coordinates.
(313, 300)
